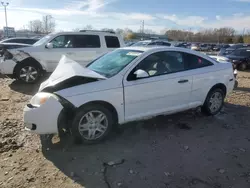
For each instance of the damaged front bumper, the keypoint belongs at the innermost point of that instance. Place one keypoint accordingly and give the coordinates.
(43, 119)
(7, 66)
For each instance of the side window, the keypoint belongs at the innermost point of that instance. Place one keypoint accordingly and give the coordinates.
(152, 44)
(245, 53)
(28, 41)
(166, 44)
(12, 41)
(87, 41)
(160, 63)
(62, 41)
(194, 62)
(112, 42)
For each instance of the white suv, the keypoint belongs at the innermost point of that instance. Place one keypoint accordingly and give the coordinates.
(28, 64)
(126, 85)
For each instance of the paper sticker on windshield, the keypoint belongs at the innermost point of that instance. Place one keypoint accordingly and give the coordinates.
(134, 53)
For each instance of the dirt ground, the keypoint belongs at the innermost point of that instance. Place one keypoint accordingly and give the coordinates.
(186, 150)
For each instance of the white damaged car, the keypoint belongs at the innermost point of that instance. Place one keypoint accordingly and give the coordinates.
(126, 85)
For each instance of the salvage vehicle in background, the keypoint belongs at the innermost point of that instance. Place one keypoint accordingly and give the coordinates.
(30, 63)
(230, 49)
(240, 58)
(22, 40)
(126, 85)
(204, 47)
(218, 47)
(195, 47)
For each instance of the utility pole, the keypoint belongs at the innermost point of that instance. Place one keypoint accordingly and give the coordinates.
(142, 26)
(6, 23)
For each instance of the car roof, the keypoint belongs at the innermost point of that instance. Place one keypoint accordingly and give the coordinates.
(155, 48)
(86, 32)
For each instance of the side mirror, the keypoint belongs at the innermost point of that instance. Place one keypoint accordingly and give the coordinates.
(49, 46)
(141, 74)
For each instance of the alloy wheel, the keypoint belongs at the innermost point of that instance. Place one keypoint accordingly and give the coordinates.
(215, 102)
(28, 74)
(93, 125)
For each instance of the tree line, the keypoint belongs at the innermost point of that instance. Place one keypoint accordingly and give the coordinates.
(218, 35)
(44, 26)
(221, 35)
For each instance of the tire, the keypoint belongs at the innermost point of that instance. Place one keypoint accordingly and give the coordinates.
(91, 130)
(207, 107)
(28, 72)
(243, 66)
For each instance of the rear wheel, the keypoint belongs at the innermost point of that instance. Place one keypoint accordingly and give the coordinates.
(214, 102)
(92, 124)
(28, 72)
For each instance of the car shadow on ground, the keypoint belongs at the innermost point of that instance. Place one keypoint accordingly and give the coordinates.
(28, 89)
(183, 150)
(242, 89)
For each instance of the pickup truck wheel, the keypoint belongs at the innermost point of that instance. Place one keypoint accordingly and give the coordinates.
(28, 72)
(214, 102)
(92, 124)
(243, 66)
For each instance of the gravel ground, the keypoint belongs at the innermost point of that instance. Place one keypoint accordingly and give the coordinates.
(178, 151)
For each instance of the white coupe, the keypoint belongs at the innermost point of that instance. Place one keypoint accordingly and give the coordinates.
(125, 85)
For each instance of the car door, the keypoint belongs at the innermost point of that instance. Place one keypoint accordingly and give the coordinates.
(62, 45)
(166, 88)
(204, 77)
(87, 47)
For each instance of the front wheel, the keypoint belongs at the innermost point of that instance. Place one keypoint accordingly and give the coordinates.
(214, 102)
(28, 72)
(92, 123)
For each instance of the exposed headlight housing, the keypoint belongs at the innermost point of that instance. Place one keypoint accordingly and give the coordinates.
(41, 98)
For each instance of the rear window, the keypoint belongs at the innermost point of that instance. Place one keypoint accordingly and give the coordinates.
(87, 41)
(194, 61)
(112, 42)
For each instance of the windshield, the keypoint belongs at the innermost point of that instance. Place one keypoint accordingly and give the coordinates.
(112, 63)
(42, 40)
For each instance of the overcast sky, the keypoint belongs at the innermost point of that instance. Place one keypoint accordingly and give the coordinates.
(157, 14)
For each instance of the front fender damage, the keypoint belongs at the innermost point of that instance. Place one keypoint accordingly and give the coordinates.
(19, 56)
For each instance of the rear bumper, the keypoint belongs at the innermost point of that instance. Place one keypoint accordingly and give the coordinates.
(43, 119)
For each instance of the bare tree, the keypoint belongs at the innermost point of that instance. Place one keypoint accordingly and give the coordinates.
(119, 31)
(48, 24)
(88, 27)
(76, 30)
(108, 29)
(36, 26)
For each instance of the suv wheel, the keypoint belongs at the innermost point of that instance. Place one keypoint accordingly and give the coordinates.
(214, 102)
(28, 72)
(92, 124)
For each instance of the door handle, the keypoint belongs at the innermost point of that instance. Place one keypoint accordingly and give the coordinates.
(70, 53)
(182, 81)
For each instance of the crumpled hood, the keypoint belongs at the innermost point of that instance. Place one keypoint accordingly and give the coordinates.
(66, 69)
